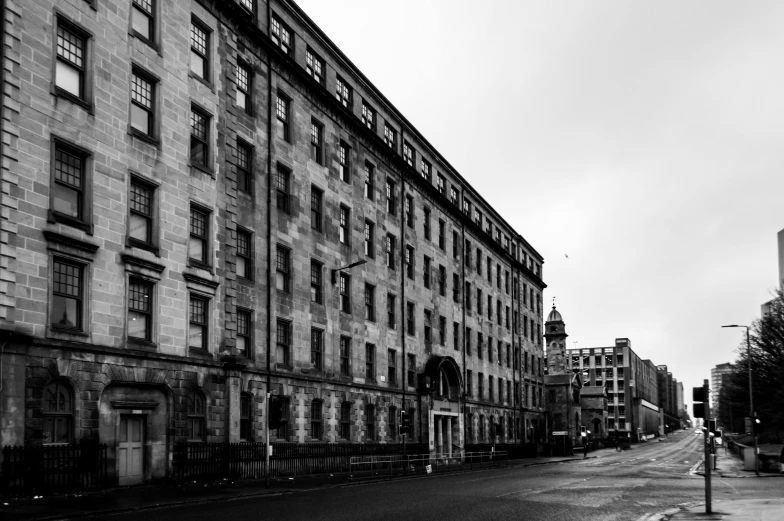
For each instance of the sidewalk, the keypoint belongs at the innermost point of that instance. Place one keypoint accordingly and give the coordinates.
(159, 495)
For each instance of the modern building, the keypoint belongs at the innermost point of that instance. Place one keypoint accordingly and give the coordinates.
(766, 307)
(719, 376)
(205, 204)
(630, 382)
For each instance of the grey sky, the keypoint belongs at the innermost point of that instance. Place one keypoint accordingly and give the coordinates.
(643, 139)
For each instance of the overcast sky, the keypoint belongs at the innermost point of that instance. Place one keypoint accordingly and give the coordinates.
(642, 139)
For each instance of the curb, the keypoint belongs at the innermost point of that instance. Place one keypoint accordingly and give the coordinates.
(660, 516)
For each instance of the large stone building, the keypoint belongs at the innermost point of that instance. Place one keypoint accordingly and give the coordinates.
(562, 387)
(187, 190)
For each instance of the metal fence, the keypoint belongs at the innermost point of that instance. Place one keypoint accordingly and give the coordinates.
(246, 460)
(395, 465)
(53, 468)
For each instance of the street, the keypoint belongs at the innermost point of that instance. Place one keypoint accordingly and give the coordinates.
(622, 486)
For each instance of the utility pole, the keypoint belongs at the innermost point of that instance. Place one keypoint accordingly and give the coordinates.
(708, 462)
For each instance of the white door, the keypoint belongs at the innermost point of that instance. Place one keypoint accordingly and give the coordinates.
(130, 449)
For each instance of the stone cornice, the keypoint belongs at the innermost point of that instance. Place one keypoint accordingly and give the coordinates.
(71, 242)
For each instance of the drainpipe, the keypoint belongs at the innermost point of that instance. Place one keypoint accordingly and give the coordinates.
(269, 255)
(403, 298)
(461, 258)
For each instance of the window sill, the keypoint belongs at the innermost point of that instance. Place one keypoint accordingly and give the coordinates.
(202, 168)
(284, 367)
(199, 352)
(56, 217)
(141, 344)
(138, 134)
(194, 263)
(198, 78)
(64, 94)
(136, 243)
(67, 332)
(149, 43)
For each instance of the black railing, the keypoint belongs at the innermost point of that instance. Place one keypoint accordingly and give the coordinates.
(53, 468)
(246, 460)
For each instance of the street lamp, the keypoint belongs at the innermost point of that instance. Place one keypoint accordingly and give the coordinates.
(751, 398)
(352, 265)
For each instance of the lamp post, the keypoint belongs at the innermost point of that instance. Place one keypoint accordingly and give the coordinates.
(352, 265)
(751, 398)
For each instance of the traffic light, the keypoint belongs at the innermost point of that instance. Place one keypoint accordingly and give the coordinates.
(405, 423)
(712, 426)
(757, 426)
(700, 397)
(275, 412)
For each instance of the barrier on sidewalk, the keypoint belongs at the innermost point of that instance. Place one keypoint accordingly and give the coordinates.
(395, 465)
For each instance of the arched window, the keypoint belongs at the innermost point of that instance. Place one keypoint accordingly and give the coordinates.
(443, 383)
(58, 413)
(345, 420)
(197, 414)
(370, 422)
(283, 431)
(392, 423)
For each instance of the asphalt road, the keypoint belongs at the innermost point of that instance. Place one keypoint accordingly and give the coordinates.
(621, 486)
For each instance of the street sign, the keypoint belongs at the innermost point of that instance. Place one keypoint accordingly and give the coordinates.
(560, 433)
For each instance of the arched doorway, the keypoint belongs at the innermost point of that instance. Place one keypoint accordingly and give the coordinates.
(442, 380)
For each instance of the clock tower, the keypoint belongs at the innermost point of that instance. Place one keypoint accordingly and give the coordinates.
(555, 342)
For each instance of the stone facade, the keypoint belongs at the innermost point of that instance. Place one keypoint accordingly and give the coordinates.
(239, 177)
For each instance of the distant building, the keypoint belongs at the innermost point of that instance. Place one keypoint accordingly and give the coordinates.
(719, 375)
(766, 307)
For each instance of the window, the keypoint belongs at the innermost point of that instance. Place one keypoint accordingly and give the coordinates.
(343, 92)
(456, 335)
(426, 170)
(426, 272)
(392, 366)
(200, 135)
(392, 422)
(140, 310)
(314, 65)
(368, 116)
(283, 430)
(370, 303)
(369, 239)
(488, 227)
(390, 251)
(197, 418)
(498, 276)
(455, 287)
(345, 420)
(282, 112)
(344, 224)
(243, 331)
(57, 410)
(283, 342)
(410, 262)
(141, 213)
(468, 296)
(490, 393)
(317, 349)
(467, 207)
(246, 433)
(506, 321)
(369, 184)
(200, 44)
(478, 261)
(344, 154)
(247, 4)
(468, 340)
(408, 154)
(283, 269)
(370, 422)
(316, 282)
(198, 249)
(442, 330)
(426, 223)
(442, 281)
(489, 349)
(498, 315)
(479, 304)
(71, 60)
(481, 397)
(198, 330)
(244, 84)
(345, 292)
(410, 326)
(142, 102)
(441, 234)
(316, 415)
(428, 326)
(408, 210)
(244, 254)
(390, 136)
(316, 142)
(370, 362)
(282, 185)
(467, 251)
(391, 322)
(143, 19)
(281, 35)
(411, 370)
(453, 196)
(441, 184)
(391, 202)
(479, 344)
(244, 172)
(316, 198)
(506, 282)
(69, 197)
(455, 245)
